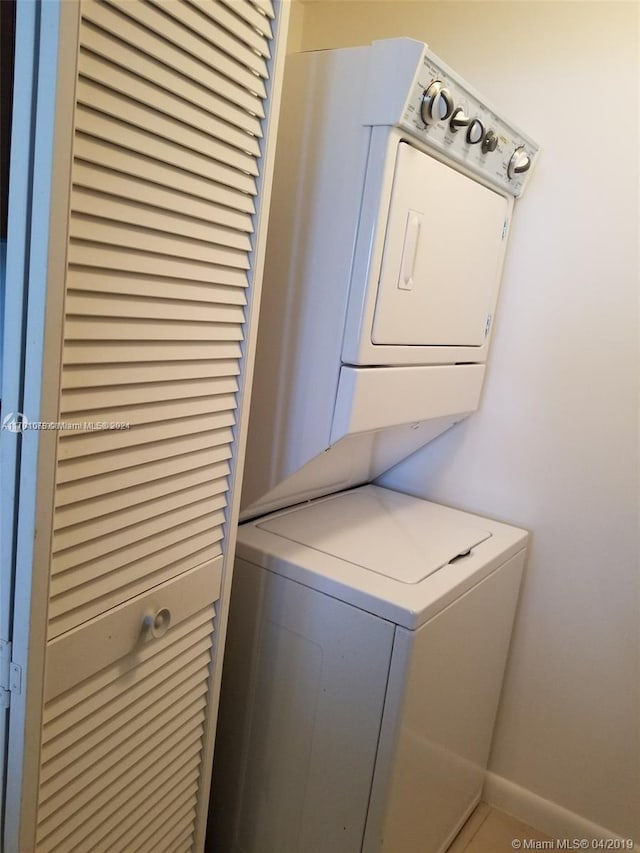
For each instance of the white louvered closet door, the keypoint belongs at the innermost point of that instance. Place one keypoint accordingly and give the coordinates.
(166, 186)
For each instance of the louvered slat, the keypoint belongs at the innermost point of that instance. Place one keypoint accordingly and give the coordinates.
(74, 469)
(65, 794)
(71, 570)
(175, 840)
(249, 33)
(74, 444)
(165, 174)
(154, 307)
(239, 42)
(93, 439)
(91, 399)
(103, 526)
(158, 694)
(179, 62)
(141, 330)
(101, 183)
(159, 128)
(87, 201)
(177, 843)
(118, 583)
(67, 576)
(226, 168)
(97, 230)
(249, 13)
(134, 260)
(97, 487)
(232, 44)
(113, 533)
(156, 287)
(170, 176)
(100, 518)
(123, 87)
(178, 31)
(152, 412)
(134, 373)
(106, 837)
(62, 796)
(153, 69)
(171, 818)
(136, 810)
(265, 6)
(112, 352)
(98, 738)
(69, 827)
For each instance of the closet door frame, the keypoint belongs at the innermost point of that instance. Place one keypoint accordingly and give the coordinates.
(54, 30)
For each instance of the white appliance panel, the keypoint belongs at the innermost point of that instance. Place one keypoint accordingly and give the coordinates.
(443, 692)
(406, 542)
(380, 592)
(302, 701)
(411, 395)
(441, 263)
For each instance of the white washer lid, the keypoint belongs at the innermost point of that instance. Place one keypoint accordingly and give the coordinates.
(385, 532)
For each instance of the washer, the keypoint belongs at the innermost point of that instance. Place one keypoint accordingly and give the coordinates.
(367, 641)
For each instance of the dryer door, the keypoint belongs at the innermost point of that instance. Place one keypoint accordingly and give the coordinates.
(440, 269)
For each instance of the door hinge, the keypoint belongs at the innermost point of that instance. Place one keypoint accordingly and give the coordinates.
(10, 675)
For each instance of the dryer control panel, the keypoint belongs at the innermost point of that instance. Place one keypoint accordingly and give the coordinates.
(439, 107)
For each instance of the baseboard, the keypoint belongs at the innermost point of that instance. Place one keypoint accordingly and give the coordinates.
(548, 817)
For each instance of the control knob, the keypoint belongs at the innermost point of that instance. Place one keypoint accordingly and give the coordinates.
(437, 103)
(520, 162)
(475, 132)
(458, 120)
(490, 142)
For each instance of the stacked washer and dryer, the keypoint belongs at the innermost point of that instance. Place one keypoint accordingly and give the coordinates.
(368, 630)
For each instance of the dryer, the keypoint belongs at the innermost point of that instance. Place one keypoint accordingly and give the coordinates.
(367, 641)
(393, 194)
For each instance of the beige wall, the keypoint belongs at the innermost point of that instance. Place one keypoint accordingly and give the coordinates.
(296, 23)
(555, 445)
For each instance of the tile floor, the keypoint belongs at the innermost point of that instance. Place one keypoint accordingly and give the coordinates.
(491, 831)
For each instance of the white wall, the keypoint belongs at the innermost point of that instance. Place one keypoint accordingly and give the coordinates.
(555, 445)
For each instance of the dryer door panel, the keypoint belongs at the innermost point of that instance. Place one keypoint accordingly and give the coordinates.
(440, 269)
